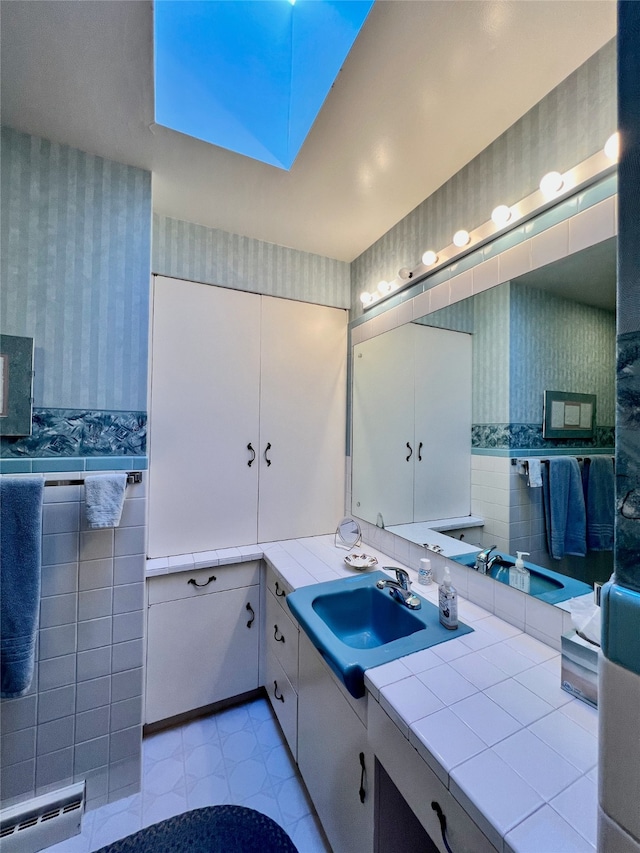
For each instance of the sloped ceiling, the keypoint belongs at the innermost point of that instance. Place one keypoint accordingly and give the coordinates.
(427, 86)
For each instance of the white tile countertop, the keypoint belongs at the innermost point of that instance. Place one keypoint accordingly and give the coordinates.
(485, 711)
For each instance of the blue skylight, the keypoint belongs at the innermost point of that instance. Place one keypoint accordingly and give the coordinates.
(250, 75)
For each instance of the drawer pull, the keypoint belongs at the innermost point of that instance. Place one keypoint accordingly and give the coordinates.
(206, 583)
(280, 698)
(253, 615)
(280, 592)
(253, 458)
(443, 824)
(363, 771)
(278, 639)
(266, 450)
(410, 449)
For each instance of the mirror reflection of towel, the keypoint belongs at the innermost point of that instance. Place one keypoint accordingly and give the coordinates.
(564, 508)
(104, 498)
(600, 502)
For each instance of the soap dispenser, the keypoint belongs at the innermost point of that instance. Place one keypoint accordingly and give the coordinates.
(519, 575)
(448, 602)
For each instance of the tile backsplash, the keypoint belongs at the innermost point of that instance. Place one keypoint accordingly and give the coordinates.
(82, 717)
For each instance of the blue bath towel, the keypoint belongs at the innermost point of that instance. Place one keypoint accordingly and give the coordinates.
(600, 496)
(565, 514)
(104, 498)
(20, 556)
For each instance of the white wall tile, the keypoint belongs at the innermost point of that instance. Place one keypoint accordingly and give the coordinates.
(515, 261)
(593, 225)
(619, 744)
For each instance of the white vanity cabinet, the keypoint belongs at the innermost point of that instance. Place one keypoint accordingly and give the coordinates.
(203, 638)
(420, 787)
(411, 451)
(281, 663)
(334, 756)
(247, 418)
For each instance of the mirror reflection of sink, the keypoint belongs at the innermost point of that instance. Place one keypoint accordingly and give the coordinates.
(545, 584)
(366, 617)
(356, 626)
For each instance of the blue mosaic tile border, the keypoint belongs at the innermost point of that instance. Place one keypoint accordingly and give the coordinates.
(71, 433)
(529, 436)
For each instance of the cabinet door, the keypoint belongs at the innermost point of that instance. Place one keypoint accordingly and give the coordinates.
(443, 423)
(204, 411)
(383, 424)
(331, 741)
(201, 650)
(302, 418)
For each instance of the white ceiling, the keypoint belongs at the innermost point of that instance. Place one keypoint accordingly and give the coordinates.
(427, 86)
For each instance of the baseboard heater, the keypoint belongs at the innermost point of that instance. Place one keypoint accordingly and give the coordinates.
(42, 821)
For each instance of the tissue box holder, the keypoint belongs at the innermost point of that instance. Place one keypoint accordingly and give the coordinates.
(579, 673)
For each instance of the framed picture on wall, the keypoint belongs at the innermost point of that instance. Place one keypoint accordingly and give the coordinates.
(568, 415)
(16, 382)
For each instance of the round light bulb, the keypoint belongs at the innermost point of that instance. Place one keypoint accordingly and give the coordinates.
(384, 287)
(501, 214)
(366, 298)
(461, 238)
(612, 146)
(551, 184)
(429, 258)
(404, 273)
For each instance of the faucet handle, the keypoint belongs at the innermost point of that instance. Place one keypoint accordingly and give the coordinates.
(403, 578)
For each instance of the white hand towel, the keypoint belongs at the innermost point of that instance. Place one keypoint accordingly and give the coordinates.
(104, 498)
(535, 473)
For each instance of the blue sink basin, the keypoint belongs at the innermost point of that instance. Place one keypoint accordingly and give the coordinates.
(365, 617)
(356, 626)
(546, 584)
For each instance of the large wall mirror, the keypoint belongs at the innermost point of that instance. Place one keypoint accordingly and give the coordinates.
(441, 405)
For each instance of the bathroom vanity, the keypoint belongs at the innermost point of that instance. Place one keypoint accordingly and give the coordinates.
(478, 725)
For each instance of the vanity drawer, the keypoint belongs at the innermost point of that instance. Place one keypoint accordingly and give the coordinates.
(284, 701)
(419, 786)
(203, 581)
(282, 638)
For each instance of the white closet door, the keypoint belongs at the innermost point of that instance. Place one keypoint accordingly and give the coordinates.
(302, 417)
(383, 424)
(204, 411)
(443, 423)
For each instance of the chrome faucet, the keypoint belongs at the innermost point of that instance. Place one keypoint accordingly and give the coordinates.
(484, 560)
(400, 589)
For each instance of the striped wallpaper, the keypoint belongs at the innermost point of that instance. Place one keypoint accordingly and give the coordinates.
(75, 236)
(197, 253)
(567, 126)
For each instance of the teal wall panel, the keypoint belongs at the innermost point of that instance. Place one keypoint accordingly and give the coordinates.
(75, 236)
(197, 253)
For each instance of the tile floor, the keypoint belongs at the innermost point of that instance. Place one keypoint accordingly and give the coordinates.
(235, 756)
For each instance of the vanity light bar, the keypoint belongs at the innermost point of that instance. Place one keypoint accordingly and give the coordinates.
(553, 187)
